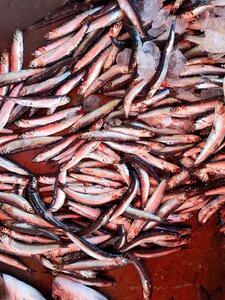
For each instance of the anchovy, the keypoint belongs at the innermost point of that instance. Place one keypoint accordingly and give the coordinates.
(26, 123)
(95, 199)
(59, 196)
(144, 276)
(216, 136)
(22, 145)
(91, 250)
(102, 44)
(163, 63)
(39, 206)
(16, 200)
(128, 197)
(95, 115)
(14, 261)
(61, 51)
(132, 13)
(81, 152)
(70, 26)
(113, 16)
(151, 206)
(18, 76)
(4, 68)
(24, 248)
(59, 13)
(44, 86)
(104, 78)
(40, 102)
(52, 128)
(16, 58)
(12, 166)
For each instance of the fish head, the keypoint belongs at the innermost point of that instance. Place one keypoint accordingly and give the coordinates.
(28, 208)
(5, 239)
(51, 255)
(115, 29)
(5, 230)
(35, 63)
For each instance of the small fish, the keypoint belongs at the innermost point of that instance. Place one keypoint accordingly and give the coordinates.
(132, 13)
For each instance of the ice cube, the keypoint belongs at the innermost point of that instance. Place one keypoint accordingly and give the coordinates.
(180, 26)
(123, 58)
(154, 32)
(214, 40)
(176, 64)
(149, 9)
(160, 18)
(147, 59)
(160, 23)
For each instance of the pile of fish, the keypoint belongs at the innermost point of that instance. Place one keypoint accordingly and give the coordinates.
(128, 106)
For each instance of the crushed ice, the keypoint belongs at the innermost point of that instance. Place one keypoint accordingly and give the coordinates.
(212, 24)
(147, 58)
(176, 64)
(149, 9)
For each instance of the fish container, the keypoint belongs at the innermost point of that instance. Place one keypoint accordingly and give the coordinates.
(143, 46)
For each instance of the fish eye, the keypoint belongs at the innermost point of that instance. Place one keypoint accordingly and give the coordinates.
(30, 210)
(175, 109)
(99, 122)
(192, 181)
(4, 235)
(117, 25)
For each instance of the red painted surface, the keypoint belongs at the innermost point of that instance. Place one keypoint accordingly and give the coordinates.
(178, 274)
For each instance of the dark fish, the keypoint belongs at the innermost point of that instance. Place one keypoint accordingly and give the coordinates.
(39, 206)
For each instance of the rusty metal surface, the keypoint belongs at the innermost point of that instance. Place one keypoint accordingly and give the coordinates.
(178, 274)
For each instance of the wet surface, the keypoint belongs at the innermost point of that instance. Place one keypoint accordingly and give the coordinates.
(178, 274)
